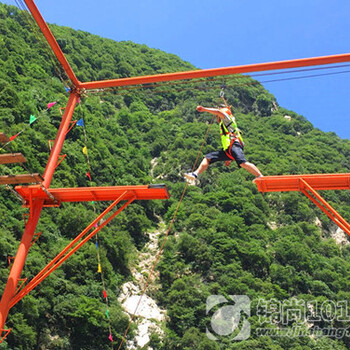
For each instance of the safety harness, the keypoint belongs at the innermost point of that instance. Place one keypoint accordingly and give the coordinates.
(229, 133)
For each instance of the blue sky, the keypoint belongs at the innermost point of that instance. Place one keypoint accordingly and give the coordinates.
(219, 33)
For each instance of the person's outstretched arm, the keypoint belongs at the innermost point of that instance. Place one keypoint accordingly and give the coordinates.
(215, 111)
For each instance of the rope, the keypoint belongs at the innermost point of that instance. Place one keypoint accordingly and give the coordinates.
(222, 95)
(165, 238)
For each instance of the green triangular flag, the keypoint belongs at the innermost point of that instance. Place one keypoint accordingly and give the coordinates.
(32, 119)
(107, 313)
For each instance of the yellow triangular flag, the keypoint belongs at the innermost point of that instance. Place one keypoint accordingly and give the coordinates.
(99, 270)
(85, 151)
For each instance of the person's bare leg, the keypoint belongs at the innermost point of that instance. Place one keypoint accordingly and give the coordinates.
(203, 166)
(252, 169)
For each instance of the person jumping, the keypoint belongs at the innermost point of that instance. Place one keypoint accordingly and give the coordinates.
(232, 144)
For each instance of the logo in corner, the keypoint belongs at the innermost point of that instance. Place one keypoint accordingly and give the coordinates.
(227, 318)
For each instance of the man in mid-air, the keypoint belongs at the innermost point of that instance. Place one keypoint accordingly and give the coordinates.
(232, 144)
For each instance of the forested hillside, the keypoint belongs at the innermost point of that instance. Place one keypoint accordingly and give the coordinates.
(228, 239)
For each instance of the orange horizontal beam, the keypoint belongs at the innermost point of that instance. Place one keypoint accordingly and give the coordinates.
(54, 196)
(51, 41)
(204, 73)
(283, 183)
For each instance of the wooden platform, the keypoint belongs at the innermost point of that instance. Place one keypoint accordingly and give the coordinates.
(12, 158)
(20, 179)
(3, 138)
(54, 196)
(284, 183)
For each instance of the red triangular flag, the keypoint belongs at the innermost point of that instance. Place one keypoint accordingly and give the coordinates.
(14, 136)
(88, 175)
(105, 294)
(110, 337)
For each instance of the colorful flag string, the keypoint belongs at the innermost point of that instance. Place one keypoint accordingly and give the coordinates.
(104, 292)
(85, 151)
(32, 119)
(8, 147)
(81, 123)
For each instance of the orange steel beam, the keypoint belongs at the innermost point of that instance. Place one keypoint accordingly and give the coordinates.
(283, 183)
(204, 73)
(325, 206)
(308, 184)
(55, 196)
(71, 248)
(51, 41)
(61, 135)
(7, 331)
(18, 263)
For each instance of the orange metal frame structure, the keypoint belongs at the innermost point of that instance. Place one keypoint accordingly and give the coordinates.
(308, 184)
(37, 197)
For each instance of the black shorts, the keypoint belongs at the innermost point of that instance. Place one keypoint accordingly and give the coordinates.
(236, 152)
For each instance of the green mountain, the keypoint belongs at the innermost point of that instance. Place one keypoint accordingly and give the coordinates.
(228, 239)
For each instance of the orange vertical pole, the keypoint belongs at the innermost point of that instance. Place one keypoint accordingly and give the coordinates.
(18, 263)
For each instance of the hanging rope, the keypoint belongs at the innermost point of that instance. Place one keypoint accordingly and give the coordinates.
(222, 94)
(166, 237)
